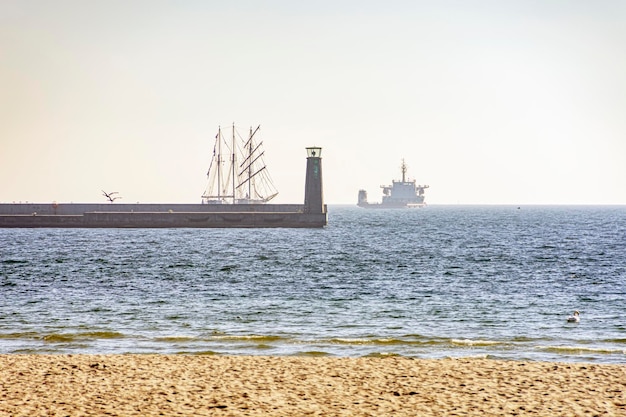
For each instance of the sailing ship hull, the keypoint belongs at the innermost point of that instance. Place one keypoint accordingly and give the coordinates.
(32, 215)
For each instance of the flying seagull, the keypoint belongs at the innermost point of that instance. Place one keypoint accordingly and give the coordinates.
(110, 195)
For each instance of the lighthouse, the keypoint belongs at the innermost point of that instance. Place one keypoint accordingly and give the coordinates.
(313, 194)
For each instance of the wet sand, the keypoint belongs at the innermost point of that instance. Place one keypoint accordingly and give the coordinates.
(152, 385)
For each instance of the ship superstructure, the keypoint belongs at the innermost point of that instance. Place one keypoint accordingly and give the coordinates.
(400, 194)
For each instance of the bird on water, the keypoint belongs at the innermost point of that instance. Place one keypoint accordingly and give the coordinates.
(575, 318)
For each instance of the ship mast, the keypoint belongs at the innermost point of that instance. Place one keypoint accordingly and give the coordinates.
(219, 163)
(403, 168)
(250, 166)
(233, 163)
(250, 160)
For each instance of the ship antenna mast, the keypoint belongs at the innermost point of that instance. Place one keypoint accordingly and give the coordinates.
(403, 168)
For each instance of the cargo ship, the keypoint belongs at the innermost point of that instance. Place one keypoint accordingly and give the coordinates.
(400, 194)
(238, 198)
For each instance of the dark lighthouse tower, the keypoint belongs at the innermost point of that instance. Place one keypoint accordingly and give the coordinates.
(313, 194)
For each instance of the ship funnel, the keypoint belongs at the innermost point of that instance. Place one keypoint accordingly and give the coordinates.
(313, 192)
(362, 198)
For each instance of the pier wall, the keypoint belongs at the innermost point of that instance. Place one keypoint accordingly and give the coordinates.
(69, 209)
(33, 215)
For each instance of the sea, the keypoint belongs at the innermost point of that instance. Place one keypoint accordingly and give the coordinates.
(436, 282)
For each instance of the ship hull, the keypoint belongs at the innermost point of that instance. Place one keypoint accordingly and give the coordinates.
(390, 205)
(30, 215)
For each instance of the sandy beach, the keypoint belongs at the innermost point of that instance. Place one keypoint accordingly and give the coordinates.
(151, 385)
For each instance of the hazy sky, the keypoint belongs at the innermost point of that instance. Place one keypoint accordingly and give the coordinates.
(515, 102)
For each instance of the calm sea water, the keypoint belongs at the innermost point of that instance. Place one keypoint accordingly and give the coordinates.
(442, 281)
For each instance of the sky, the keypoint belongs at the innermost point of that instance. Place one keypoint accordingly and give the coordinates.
(488, 102)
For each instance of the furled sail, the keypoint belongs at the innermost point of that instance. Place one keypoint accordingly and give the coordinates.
(237, 172)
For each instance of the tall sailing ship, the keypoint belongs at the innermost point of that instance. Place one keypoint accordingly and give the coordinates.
(237, 172)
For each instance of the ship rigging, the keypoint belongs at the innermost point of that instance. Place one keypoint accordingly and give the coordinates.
(237, 172)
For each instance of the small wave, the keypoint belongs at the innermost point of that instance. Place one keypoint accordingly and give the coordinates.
(312, 353)
(526, 339)
(170, 339)
(58, 338)
(202, 353)
(180, 265)
(29, 351)
(227, 268)
(479, 356)
(14, 261)
(381, 355)
(580, 349)
(71, 337)
(546, 247)
(246, 338)
(469, 342)
(101, 335)
(25, 335)
(411, 342)
(360, 341)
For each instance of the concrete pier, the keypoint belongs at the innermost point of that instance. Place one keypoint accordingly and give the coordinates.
(157, 216)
